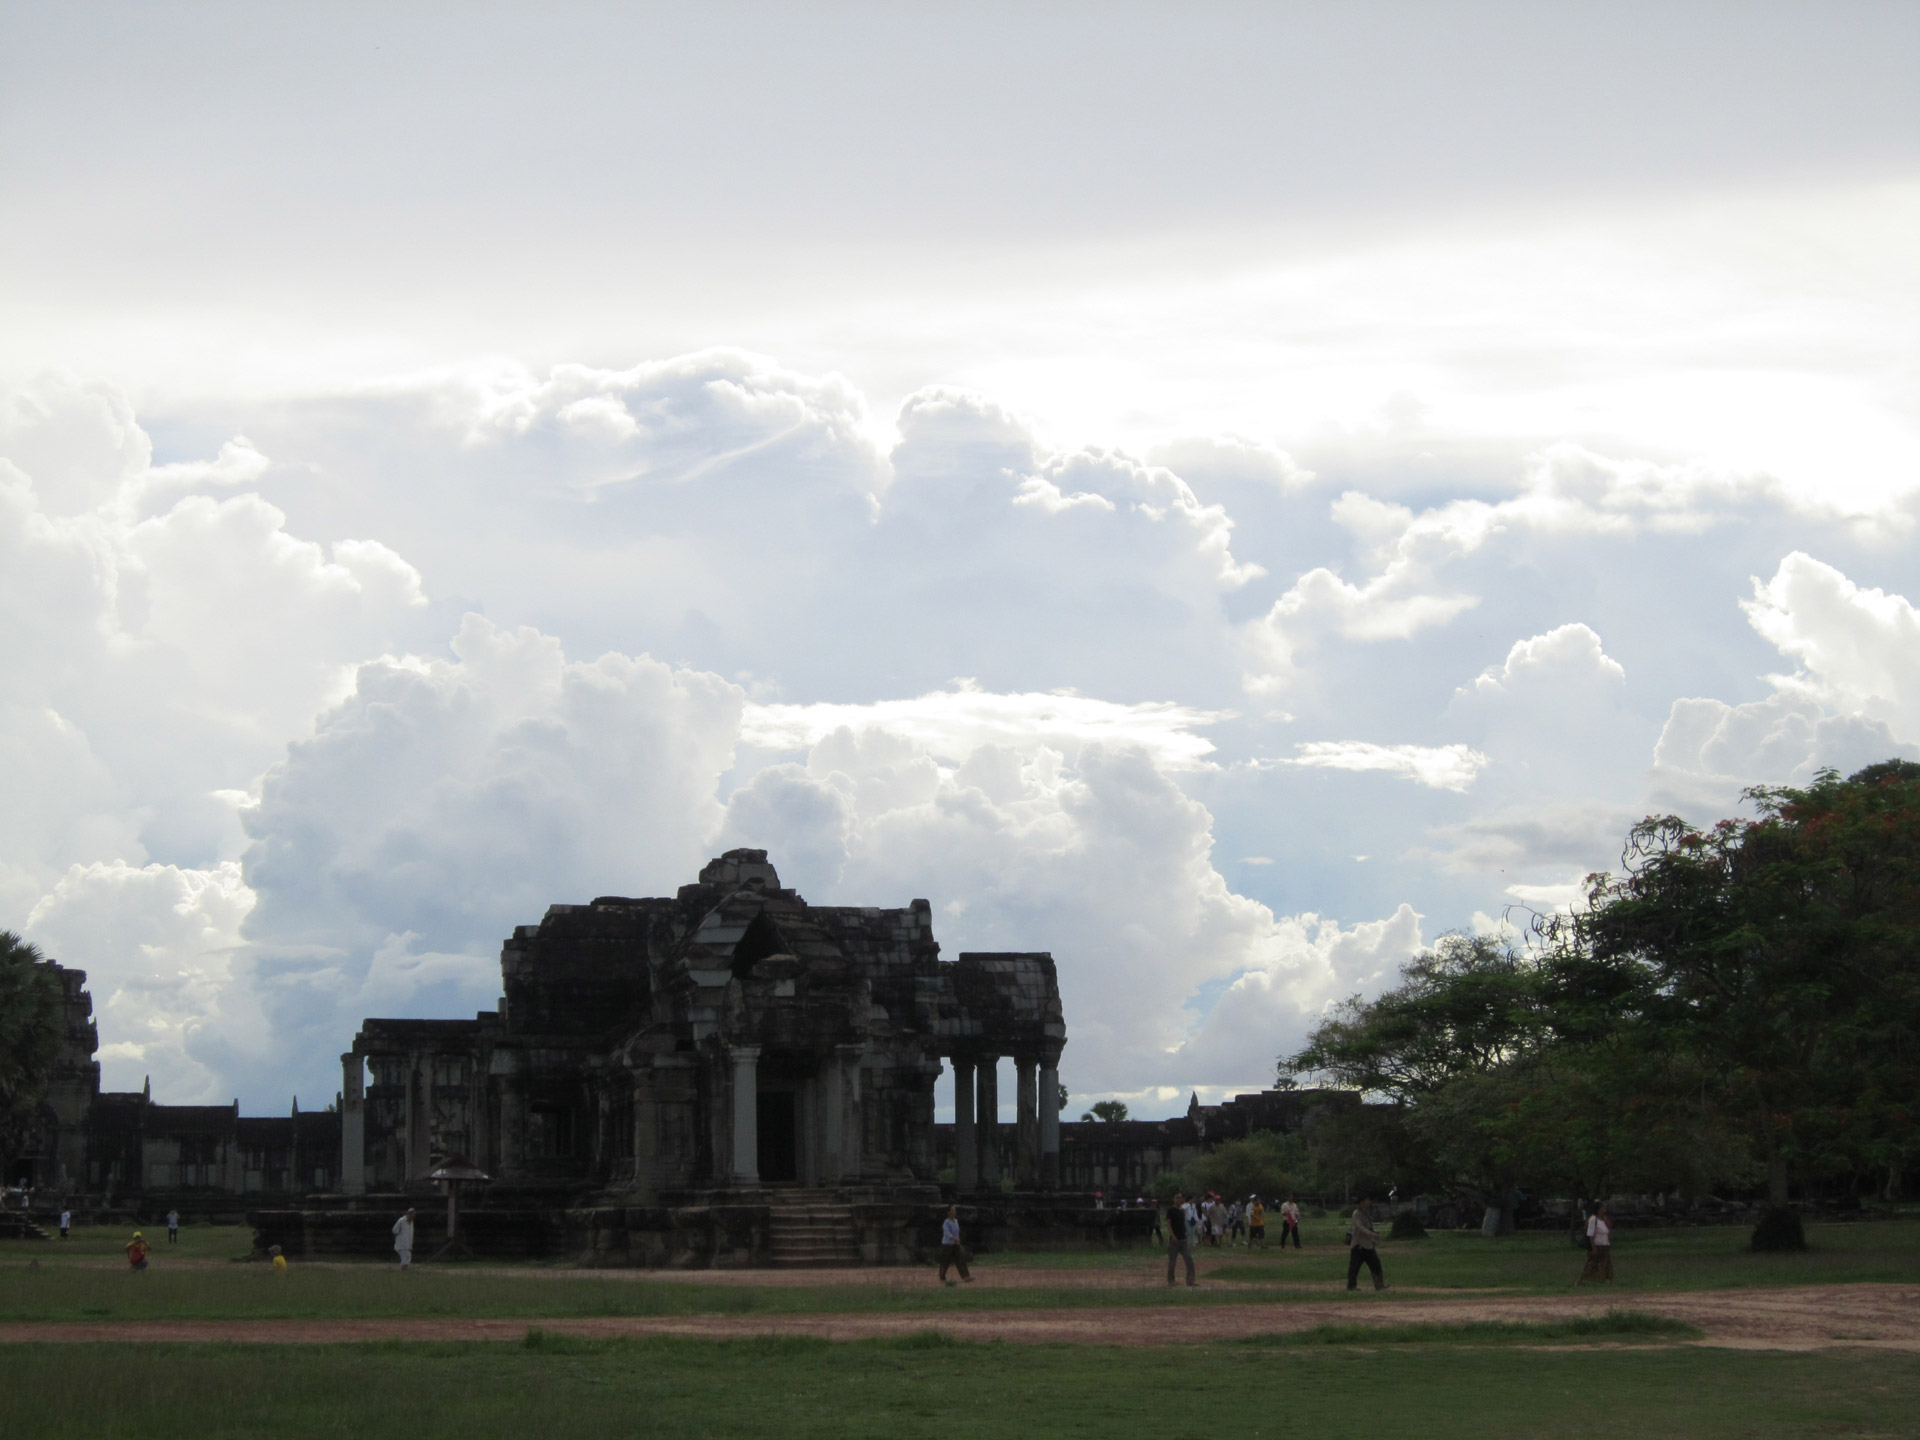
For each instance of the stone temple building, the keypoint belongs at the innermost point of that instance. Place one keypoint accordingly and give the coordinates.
(105, 1151)
(728, 1040)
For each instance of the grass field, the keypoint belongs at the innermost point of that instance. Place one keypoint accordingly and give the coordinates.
(902, 1390)
(1483, 1379)
(80, 1280)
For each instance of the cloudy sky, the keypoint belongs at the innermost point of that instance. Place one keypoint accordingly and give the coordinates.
(1225, 494)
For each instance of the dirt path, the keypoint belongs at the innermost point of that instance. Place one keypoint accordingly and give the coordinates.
(1800, 1318)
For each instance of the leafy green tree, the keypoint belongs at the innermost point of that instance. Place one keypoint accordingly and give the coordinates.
(1266, 1164)
(1782, 954)
(1109, 1111)
(1516, 1068)
(31, 1027)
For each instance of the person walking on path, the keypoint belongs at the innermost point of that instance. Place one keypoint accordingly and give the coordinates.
(1364, 1247)
(952, 1252)
(66, 1222)
(403, 1239)
(137, 1251)
(1256, 1224)
(1599, 1264)
(1289, 1224)
(1179, 1237)
(173, 1227)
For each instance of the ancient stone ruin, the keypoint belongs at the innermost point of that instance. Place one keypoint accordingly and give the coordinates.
(712, 1078)
(728, 1038)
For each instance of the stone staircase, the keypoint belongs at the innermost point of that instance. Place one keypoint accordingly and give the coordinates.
(811, 1229)
(16, 1226)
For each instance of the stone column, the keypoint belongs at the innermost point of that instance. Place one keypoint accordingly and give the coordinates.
(419, 1132)
(989, 1121)
(845, 1103)
(513, 1125)
(746, 1114)
(1026, 1109)
(1050, 1123)
(353, 1125)
(966, 1141)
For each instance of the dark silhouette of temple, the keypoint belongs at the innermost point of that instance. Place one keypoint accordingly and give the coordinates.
(731, 1037)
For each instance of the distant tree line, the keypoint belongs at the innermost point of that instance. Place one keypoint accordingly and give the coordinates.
(1737, 1009)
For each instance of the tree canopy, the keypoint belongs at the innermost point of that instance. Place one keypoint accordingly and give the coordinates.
(1735, 1001)
(30, 1034)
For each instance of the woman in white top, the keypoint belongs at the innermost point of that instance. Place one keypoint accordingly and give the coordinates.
(1599, 1246)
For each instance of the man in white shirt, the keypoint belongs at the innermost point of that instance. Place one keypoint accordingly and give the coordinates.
(952, 1252)
(1599, 1264)
(66, 1223)
(403, 1239)
(1289, 1224)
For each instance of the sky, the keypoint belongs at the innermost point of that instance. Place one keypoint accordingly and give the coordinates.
(1225, 494)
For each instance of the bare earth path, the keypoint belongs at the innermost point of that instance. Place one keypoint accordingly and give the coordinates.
(1790, 1318)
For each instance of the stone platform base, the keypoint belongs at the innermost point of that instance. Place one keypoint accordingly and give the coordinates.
(720, 1230)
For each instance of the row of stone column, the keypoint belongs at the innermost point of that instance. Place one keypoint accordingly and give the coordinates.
(976, 1122)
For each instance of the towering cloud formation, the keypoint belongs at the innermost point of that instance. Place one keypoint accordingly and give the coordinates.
(261, 785)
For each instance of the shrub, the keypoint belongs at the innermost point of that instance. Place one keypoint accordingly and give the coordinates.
(1779, 1229)
(1407, 1226)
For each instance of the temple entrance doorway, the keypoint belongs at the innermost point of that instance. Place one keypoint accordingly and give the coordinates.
(779, 1135)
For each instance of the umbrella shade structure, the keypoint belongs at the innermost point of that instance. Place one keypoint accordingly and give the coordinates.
(453, 1172)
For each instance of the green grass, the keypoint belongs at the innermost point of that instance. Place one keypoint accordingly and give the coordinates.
(85, 1279)
(1615, 1324)
(1689, 1258)
(92, 1244)
(799, 1389)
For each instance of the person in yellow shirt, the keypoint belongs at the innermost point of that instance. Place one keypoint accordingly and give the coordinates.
(279, 1260)
(1257, 1224)
(137, 1249)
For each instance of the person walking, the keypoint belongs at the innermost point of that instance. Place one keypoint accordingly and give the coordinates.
(137, 1252)
(1289, 1224)
(279, 1259)
(66, 1222)
(1599, 1264)
(1236, 1224)
(1216, 1222)
(173, 1227)
(952, 1252)
(1180, 1237)
(403, 1239)
(1364, 1247)
(1256, 1224)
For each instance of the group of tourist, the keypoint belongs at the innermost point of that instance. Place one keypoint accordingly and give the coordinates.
(1212, 1220)
(1209, 1219)
(1215, 1222)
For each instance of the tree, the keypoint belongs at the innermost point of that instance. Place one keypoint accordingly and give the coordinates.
(1468, 1006)
(1513, 1067)
(1783, 955)
(1466, 1015)
(1110, 1111)
(1264, 1163)
(31, 1028)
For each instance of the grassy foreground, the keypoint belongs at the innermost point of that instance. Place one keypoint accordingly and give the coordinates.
(924, 1387)
(84, 1279)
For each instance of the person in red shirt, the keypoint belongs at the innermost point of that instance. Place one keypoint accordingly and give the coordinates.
(137, 1252)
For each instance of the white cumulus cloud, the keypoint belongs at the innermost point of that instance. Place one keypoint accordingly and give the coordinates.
(1443, 767)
